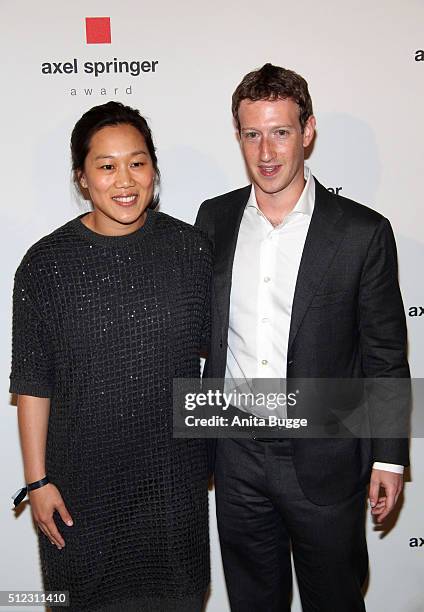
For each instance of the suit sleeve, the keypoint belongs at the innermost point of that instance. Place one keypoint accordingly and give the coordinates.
(383, 339)
(204, 220)
(204, 223)
(206, 324)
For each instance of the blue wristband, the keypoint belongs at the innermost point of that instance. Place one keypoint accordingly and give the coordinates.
(21, 493)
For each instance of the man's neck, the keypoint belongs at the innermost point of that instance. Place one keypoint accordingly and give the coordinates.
(276, 206)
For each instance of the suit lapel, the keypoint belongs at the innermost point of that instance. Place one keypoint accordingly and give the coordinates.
(325, 233)
(226, 234)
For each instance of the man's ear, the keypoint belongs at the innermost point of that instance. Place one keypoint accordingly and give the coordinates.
(236, 131)
(309, 131)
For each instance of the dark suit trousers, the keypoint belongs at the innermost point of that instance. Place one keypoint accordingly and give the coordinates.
(263, 515)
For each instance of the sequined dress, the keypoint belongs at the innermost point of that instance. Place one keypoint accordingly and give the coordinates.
(101, 326)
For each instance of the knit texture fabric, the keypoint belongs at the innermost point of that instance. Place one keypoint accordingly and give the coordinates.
(101, 326)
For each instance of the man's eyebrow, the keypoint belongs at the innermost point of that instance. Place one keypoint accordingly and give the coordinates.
(274, 127)
(140, 152)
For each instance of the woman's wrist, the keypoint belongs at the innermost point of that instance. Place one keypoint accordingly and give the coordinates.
(34, 473)
(37, 484)
(31, 486)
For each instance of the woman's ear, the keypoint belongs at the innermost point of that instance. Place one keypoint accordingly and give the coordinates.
(81, 179)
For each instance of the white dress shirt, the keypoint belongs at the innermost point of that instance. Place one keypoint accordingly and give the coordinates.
(265, 268)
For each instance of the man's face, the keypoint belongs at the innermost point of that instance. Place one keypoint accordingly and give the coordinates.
(273, 144)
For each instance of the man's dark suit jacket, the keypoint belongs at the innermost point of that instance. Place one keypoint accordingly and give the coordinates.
(347, 321)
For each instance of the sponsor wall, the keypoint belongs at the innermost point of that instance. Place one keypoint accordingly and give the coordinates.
(179, 64)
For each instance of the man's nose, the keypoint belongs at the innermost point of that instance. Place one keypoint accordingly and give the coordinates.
(266, 150)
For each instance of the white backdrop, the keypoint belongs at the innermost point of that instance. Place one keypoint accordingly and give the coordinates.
(367, 88)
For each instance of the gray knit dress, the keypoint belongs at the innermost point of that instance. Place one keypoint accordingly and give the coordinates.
(101, 326)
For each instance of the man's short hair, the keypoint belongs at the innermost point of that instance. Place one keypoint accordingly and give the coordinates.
(273, 83)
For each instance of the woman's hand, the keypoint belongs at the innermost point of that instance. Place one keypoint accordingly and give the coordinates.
(44, 501)
(33, 419)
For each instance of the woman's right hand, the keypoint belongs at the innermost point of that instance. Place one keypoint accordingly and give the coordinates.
(44, 501)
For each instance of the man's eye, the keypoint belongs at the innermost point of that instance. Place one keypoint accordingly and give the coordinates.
(137, 164)
(282, 133)
(250, 135)
(107, 167)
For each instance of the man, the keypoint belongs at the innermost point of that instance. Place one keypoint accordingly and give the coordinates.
(305, 286)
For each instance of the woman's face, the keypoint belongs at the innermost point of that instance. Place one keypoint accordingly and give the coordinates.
(119, 175)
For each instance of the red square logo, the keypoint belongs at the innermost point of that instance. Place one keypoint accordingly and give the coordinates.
(98, 30)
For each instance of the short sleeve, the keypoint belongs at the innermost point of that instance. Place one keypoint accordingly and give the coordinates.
(32, 358)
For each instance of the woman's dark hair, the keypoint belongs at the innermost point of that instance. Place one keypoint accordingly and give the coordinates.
(98, 117)
(271, 83)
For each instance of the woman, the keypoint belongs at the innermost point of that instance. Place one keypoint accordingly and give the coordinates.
(108, 309)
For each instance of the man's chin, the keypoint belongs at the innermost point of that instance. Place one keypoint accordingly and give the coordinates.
(268, 188)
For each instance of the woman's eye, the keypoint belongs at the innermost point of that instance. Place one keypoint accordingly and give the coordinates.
(107, 167)
(137, 164)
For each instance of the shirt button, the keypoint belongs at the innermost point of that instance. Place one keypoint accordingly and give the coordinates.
(264, 362)
(267, 279)
(258, 212)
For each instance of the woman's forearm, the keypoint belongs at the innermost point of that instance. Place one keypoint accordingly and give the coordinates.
(33, 418)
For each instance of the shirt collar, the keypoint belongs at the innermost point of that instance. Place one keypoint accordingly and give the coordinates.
(305, 203)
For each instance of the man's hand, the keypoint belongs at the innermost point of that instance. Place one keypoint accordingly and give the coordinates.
(382, 503)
